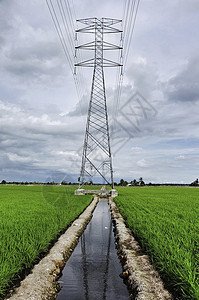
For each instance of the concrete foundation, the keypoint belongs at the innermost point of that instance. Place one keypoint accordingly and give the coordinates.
(80, 192)
(113, 193)
(103, 192)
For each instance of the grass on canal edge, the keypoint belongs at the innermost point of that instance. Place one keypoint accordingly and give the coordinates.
(165, 222)
(31, 217)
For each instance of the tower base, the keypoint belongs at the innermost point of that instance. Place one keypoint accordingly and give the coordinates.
(114, 193)
(103, 192)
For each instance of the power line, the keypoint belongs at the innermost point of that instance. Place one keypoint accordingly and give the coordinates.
(66, 26)
(59, 32)
(62, 18)
(134, 12)
(130, 11)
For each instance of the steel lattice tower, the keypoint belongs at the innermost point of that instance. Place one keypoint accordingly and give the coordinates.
(96, 157)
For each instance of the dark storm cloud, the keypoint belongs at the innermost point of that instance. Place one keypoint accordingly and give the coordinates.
(185, 85)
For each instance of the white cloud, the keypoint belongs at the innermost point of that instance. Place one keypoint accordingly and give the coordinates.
(141, 163)
(180, 157)
(136, 149)
(16, 158)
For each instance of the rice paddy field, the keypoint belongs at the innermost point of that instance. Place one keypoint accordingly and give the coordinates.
(165, 222)
(31, 218)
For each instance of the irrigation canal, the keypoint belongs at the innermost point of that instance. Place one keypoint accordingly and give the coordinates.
(92, 272)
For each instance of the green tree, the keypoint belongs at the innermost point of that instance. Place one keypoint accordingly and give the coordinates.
(64, 182)
(194, 183)
(134, 182)
(123, 182)
(3, 182)
(141, 182)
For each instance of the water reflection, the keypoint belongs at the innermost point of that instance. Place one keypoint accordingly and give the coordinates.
(84, 266)
(92, 272)
(107, 261)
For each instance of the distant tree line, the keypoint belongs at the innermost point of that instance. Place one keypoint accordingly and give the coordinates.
(43, 183)
(20, 182)
(141, 182)
(122, 182)
(29, 182)
(134, 182)
(194, 183)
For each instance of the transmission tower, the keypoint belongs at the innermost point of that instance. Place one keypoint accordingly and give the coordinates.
(96, 157)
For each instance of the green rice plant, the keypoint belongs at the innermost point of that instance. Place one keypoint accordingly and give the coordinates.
(165, 222)
(31, 218)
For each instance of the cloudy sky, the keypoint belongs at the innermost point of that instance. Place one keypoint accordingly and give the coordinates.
(42, 119)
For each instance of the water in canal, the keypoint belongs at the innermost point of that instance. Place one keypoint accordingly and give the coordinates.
(92, 272)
